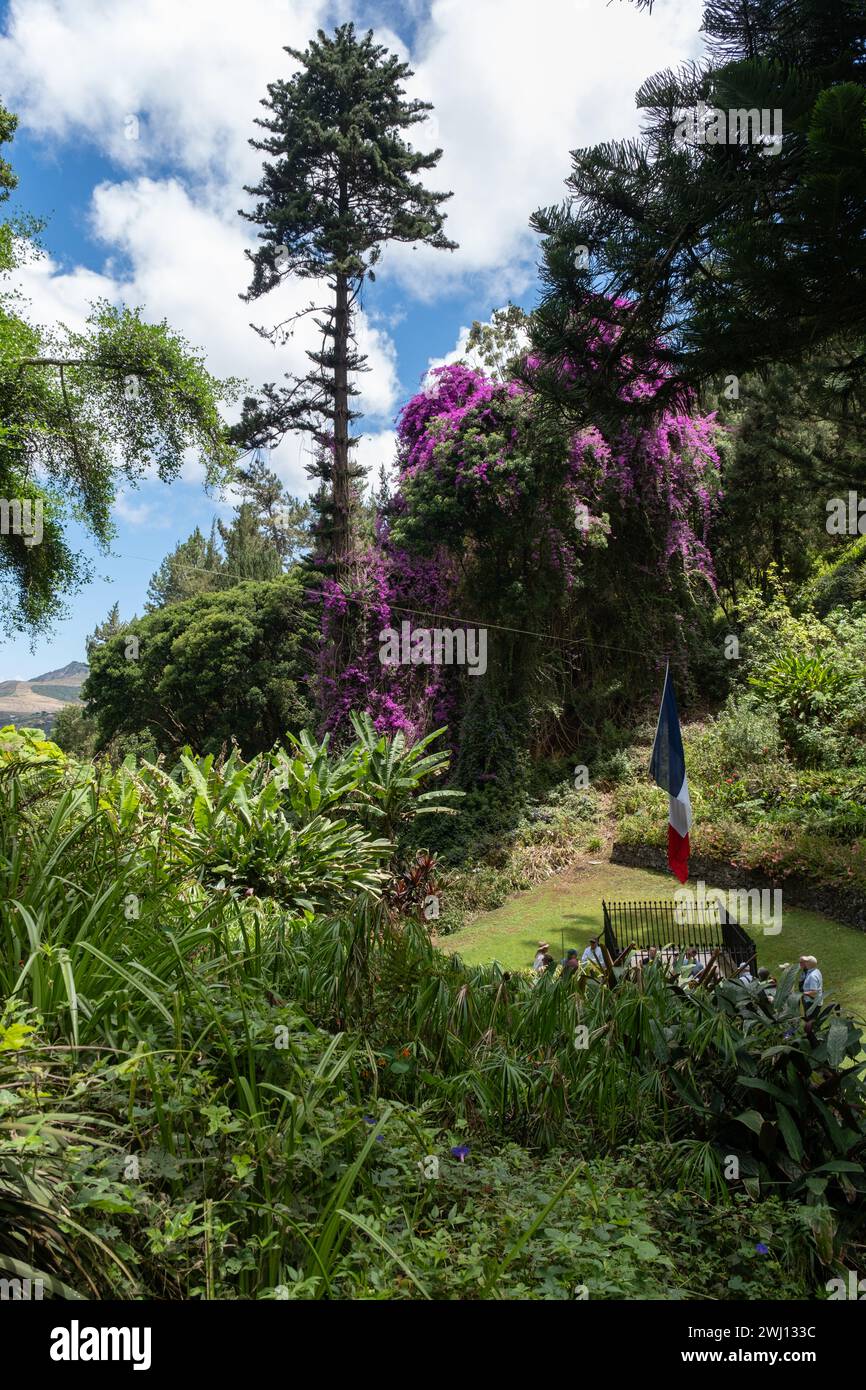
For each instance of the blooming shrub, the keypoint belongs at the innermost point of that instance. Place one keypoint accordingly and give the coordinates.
(504, 517)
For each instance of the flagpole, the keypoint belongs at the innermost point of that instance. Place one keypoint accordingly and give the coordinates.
(661, 702)
(667, 768)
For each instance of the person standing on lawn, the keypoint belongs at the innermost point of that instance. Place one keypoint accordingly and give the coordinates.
(593, 954)
(811, 982)
(538, 963)
(811, 989)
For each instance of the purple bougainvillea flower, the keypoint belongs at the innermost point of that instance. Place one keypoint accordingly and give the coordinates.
(460, 1151)
(762, 1249)
(469, 440)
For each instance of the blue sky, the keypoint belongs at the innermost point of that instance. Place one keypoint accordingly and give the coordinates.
(153, 222)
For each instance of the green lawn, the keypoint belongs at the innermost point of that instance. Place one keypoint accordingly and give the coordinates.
(566, 911)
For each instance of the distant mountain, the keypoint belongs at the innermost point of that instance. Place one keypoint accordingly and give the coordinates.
(38, 702)
(73, 674)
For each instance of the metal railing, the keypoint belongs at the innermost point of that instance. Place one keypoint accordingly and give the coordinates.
(662, 922)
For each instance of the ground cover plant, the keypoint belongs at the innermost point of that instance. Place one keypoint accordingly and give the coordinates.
(216, 1086)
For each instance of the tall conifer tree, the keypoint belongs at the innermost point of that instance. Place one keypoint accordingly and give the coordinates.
(339, 182)
(693, 252)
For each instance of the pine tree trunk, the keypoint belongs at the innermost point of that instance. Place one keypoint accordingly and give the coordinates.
(337, 659)
(341, 481)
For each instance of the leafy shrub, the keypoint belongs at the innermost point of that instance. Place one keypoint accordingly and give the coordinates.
(247, 1088)
(47, 1127)
(744, 733)
(615, 767)
(803, 689)
(810, 673)
(839, 583)
(28, 746)
(215, 669)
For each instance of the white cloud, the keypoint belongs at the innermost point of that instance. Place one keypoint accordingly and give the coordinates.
(459, 353)
(379, 386)
(515, 88)
(138, 514)
(57, 296)
(375, 449)
(191, 71)
(185, 262)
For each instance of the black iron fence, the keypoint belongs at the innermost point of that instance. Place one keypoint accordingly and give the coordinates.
(665, 922)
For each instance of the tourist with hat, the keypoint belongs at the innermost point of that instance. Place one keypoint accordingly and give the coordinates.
(811, 992)
(570, 964)
(538, 963)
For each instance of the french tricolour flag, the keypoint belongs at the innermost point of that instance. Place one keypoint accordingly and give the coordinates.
(668, 769)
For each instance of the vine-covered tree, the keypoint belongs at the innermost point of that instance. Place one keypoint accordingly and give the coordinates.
(339, 183)
(81, 413)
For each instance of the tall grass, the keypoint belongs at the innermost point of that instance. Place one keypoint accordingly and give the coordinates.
(639, 1063)
(213, 1051)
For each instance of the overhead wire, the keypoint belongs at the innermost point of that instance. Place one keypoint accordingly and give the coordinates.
(414, 612)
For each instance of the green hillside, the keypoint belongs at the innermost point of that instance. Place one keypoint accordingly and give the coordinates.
(57, 692)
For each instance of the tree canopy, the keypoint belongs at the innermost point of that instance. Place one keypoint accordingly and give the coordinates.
(704, 247)
(83, 412)
(339, 183)
(209, 670)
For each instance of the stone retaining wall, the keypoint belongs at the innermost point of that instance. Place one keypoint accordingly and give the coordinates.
(844, 905)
